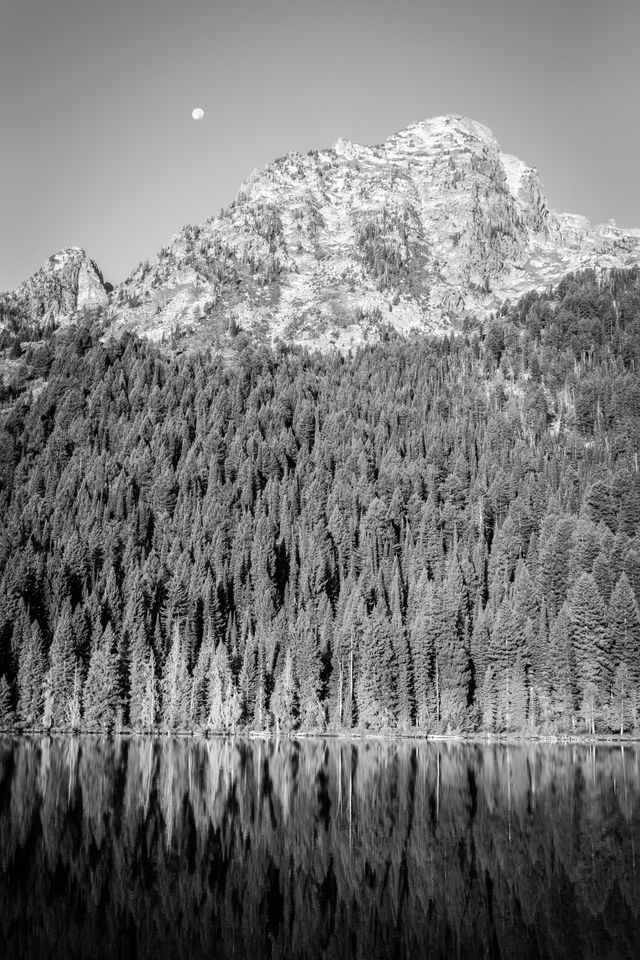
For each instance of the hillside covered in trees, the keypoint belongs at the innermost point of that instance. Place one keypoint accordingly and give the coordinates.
(431, 535)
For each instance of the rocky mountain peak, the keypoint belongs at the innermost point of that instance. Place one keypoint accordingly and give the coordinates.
(67, 282)
(432, 226)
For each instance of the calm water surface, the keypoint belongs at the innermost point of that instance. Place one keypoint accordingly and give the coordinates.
(175, 848)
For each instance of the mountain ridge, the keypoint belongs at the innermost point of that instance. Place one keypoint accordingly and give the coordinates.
(432, 226)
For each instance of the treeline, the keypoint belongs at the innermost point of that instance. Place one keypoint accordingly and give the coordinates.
(431, 535)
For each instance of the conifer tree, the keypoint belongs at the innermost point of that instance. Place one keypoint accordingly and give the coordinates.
(284, 706)
(589, 638)
(487, 700)
(149, 704)
(200, 683)
(402, 651)
(260, 701)
(100, 692)
(452, 667)
(555, 549)
(31, 673)
(221, 700)
(7, 714)
(422, 635)
(507, 658)
(623, 714)
(590, 706)
(175, 687)
(370, 711)
(561, 670)
(248, 675)
(350, 617)
(62, 680)
(624, 628)
(140, 672)
(308, 675)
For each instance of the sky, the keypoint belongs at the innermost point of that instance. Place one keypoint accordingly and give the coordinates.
(98, 148)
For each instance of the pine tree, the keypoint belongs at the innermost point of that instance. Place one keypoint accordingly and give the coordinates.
(430, 537)
(100, 693)
(561, 670)
(7, 715)
(507, 649)
(480, 645)
(200, 693)
(511, 698)
(149, 705)
(452, 666)
(624, 628)
(31, 674)
(350, 616)
(62, 681)
(284, 699)
(589, 637)
(371, 712)
(589, 706)
(555, 549)
(222, 702)
(623, 714)
(175, 686)
(422, 636)
(247, 676)
(175, 610)
(141, 669)
(260, 701)
(133, 649)
(487, 696)
(401, 651)
(308, 667)
(541, 665)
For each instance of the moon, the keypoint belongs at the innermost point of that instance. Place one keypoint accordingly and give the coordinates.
(198, 113)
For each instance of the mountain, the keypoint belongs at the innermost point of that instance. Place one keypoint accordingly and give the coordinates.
(68, 282)
(432, 225)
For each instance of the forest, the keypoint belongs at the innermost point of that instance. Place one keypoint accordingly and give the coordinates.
(427, 536)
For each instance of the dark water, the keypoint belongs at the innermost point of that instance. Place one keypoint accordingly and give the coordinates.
(173, 848)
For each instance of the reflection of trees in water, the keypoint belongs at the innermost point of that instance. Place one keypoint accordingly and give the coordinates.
(236, 848)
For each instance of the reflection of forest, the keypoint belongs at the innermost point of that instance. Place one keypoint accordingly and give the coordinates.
(170, 848)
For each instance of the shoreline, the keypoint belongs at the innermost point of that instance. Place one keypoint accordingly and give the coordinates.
(473, 739)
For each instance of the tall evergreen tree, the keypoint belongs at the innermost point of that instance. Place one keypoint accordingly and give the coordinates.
(562, 689)
(100, 693)
(7, 714)
(62, 680)
(31, 674)
(589, 637)
(175, 685)
(624, 628)
(284, 699)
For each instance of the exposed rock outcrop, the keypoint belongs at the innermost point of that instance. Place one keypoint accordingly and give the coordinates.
(68, 282)
(433, 224)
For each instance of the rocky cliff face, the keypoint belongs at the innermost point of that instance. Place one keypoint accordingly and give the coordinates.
(67, 283)
(433, 224)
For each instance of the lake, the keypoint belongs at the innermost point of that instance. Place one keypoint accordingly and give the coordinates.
(175, 848)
